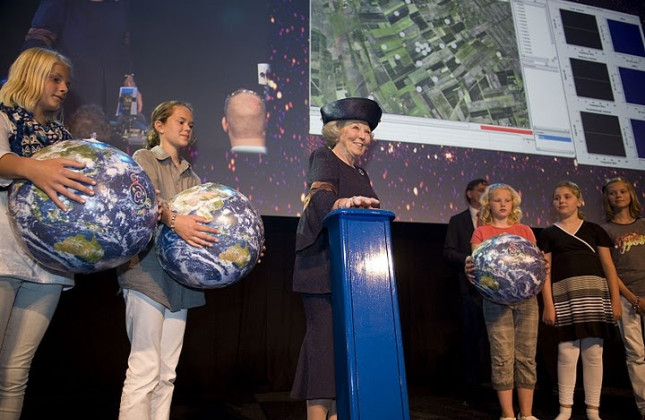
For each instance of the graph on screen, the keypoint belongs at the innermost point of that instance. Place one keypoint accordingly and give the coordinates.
(541, 77)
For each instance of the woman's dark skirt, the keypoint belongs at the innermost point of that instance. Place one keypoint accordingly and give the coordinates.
(315, 372)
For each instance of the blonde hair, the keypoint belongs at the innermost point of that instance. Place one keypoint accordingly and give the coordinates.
(161, 113)
(485, 214)
(27, 76)
(331, 131)
(634, 202)
(575, 189)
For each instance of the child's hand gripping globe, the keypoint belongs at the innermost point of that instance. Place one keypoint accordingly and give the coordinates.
(113, 225)
(239, 241)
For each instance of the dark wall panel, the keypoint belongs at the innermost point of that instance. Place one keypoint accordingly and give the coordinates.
(247, 337)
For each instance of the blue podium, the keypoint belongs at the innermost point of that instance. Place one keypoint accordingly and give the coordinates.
(368, 351)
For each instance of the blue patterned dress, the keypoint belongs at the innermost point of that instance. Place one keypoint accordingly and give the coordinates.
(21, 134)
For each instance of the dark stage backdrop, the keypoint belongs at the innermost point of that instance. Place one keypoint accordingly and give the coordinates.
(247, 338)
(201, 51)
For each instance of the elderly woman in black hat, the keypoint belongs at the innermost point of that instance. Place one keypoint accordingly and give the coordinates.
(334, 181)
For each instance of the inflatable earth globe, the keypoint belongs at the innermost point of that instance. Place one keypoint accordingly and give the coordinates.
(239, 241)
(111, 227)
(508, 269)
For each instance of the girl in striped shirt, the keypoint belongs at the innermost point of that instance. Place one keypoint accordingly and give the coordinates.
(581, 297)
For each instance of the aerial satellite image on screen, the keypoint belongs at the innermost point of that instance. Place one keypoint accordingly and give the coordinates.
(446, 60)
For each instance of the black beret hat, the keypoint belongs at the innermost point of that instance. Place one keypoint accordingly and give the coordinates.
(362, 109)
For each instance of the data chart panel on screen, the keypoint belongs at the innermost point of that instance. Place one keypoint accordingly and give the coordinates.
(603, 76)
(524, 76)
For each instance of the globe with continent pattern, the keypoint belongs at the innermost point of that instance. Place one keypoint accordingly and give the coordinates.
(508, 269)
(239, 241)
(112, 226)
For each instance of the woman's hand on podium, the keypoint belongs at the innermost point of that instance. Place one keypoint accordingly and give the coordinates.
(357, 201)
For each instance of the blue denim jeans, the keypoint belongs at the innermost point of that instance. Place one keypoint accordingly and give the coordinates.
(26, 310)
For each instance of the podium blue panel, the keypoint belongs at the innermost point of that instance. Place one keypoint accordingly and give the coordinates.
(368, 351)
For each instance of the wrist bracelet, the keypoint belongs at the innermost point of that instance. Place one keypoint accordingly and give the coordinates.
(172, 222)
(635, 305)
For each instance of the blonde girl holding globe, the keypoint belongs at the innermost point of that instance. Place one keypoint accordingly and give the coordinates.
(512, 329)
(30, 99)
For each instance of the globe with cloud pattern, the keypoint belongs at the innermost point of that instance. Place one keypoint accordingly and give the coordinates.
(508, 269)
(239, 241)
(113, 225)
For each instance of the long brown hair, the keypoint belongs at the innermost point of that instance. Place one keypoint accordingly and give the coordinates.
(161, 113)
(634, 202)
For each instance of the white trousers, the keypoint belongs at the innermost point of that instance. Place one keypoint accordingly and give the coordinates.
(156, 336)
(631, 331)
(568, 352)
